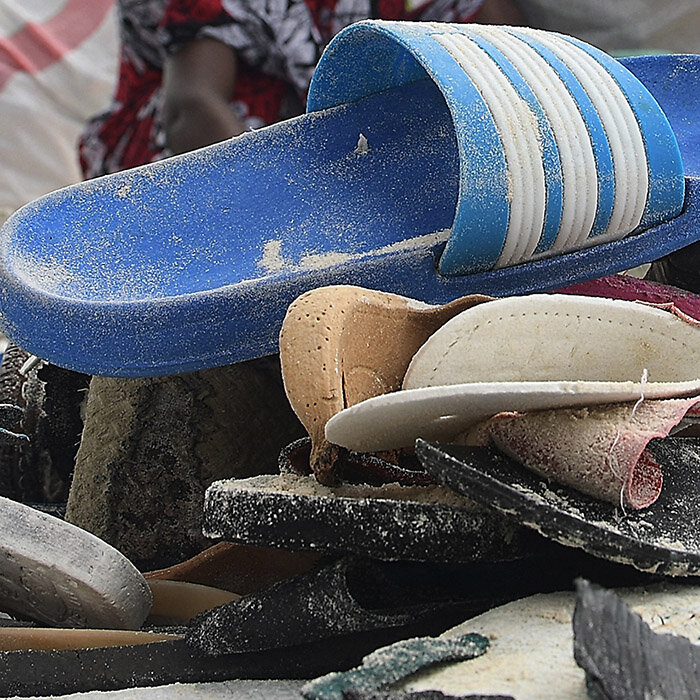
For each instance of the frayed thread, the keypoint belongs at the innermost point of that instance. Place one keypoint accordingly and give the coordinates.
(612, 462)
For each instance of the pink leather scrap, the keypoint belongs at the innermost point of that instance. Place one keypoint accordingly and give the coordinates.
(632, 289)
(598, 450)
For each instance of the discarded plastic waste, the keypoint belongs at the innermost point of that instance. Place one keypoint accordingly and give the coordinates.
(191, 262)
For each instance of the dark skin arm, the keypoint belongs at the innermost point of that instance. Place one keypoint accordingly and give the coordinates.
(198, 84)
(199, 80)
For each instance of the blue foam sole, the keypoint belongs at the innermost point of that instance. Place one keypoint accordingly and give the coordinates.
(191, 263)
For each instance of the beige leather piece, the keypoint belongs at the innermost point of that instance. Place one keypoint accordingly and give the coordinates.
(50, 638)
(528, 353)
(340, 345)
(237, 568)
(177, 602)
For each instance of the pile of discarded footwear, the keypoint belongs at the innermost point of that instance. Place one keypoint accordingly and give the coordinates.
(482, 463)
(406, 569)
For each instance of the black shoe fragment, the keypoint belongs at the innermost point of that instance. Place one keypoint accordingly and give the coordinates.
(382, 601)
(623, 658)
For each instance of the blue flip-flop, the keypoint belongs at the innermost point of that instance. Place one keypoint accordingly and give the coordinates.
(435, 160)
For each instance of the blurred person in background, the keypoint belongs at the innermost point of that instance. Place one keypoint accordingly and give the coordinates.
(194, 72)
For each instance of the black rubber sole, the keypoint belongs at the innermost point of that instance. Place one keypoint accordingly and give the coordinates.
(662, 539)
(265, 511)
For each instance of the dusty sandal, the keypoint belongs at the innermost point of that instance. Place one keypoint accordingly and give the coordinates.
(660, 539)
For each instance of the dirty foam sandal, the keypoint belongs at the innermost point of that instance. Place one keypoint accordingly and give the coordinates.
(661, 539)
(358, 607)
(410, 176)
(390, 521)
(346, 597)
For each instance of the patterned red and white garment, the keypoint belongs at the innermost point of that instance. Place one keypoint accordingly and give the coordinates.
(277, 44)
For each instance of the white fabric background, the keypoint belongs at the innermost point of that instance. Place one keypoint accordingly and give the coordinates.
(43, 111)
